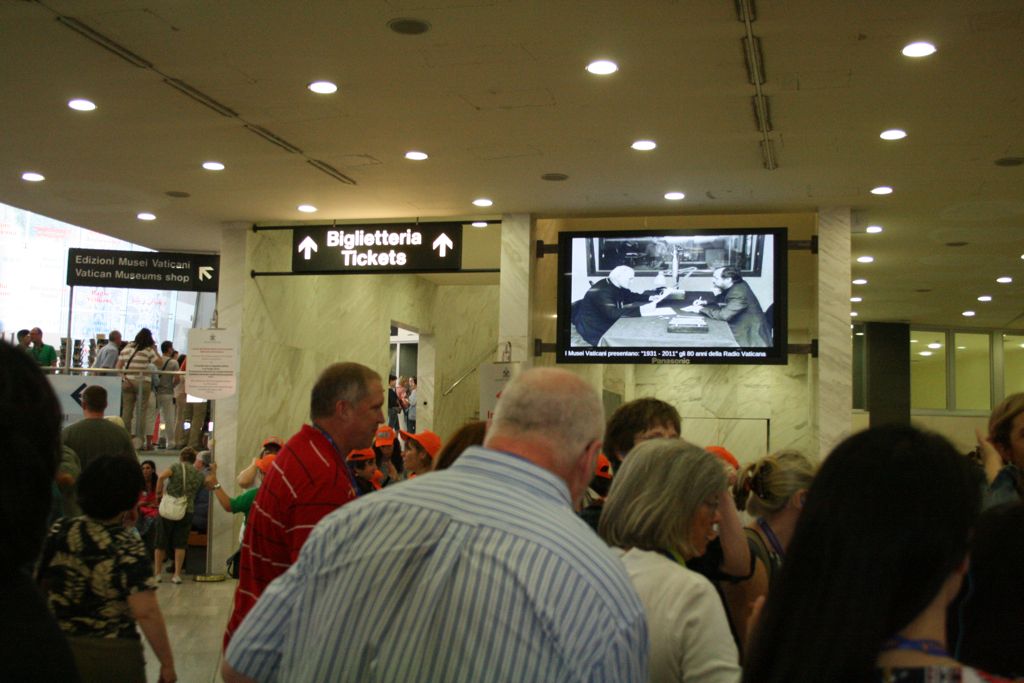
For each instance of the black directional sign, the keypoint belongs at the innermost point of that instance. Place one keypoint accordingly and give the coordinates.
(143, 270)
(384, 248)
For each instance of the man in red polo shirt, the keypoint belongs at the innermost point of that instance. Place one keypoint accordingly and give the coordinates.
(308, 479)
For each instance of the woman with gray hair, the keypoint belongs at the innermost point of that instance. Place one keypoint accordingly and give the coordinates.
(660, 512)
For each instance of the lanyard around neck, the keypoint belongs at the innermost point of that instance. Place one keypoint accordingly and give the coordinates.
(344, 461)
(928, 647)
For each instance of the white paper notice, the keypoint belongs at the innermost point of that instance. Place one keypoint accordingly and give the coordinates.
(210, 370)
(652, 309)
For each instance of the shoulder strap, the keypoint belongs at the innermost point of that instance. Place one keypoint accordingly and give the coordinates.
(760, 550)
(165, 364)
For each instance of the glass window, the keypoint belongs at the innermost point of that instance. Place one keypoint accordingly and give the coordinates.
(927, 370)
(1013, 364)
(973, 379)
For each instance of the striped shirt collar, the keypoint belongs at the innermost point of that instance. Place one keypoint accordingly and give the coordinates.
(515, 472)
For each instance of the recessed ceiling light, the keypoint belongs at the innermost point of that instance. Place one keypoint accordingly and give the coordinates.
(307, 208)
(483, 201)
(968, 314)
(924, 353)
(213, 166)
(1004, 280)
(865, 259)
(893, 134)
(323, 87)
(882, 189)
(961, 348)
(856, 299)
(146, 216)
(859, 334)
(675, 196)
(873, 229)
(81, 105)
(33, 177)
(935, 345)
(644, 145)
(913, 341)
(984, 297)
(920, 49)
(416, 156)
(602, 67)
(854, 314)
(860, 281)
(479, 224)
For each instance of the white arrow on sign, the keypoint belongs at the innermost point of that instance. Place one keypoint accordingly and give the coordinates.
(443, 243)
(308, 245)
(205, 273)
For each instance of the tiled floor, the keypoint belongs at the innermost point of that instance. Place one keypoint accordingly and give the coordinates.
(195, 613)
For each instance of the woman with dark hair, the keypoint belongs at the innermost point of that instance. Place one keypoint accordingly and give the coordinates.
(661, 511)
(32, 647)
(469, 434)
(98, 582)
(148, 505)
(137, 356)
(991, 616)
(878, 554)
(182, 479)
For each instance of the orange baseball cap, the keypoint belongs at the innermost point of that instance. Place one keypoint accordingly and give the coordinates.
(361, 455)
(604, 467)
(272, 440)
(385, 436)
(430, 441)
(725, 455)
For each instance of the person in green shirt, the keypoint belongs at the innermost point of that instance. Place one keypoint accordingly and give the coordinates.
(43, 353)
(240, 503)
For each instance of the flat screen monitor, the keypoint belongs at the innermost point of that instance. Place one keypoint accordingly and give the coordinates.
(672, 296)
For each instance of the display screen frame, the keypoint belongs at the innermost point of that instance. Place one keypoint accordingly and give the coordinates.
(688, 257)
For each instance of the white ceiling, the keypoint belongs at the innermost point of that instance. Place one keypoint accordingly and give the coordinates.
(496, 93)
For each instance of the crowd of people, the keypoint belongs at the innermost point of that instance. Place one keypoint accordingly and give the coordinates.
(546, 544)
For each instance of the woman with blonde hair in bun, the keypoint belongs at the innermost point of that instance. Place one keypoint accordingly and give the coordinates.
(772, 490)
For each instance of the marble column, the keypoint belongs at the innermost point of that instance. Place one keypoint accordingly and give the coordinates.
(833, 391)
(515, 323)
(230, 294)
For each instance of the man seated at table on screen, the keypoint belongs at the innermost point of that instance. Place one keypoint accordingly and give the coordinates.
(610, 299)
(736, 304)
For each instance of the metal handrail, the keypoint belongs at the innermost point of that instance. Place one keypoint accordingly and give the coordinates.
(476, 365)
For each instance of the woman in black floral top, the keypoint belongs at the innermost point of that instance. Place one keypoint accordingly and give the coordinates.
(98, 579)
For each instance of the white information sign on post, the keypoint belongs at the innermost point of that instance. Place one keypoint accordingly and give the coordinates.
(493, 378)
(69, 390)
(210, 370)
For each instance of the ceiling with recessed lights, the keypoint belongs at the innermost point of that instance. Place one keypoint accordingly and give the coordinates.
(494, 95)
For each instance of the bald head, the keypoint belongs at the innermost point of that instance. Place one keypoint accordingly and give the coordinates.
(551, 406)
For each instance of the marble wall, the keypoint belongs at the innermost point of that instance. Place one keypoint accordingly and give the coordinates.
(293, 327)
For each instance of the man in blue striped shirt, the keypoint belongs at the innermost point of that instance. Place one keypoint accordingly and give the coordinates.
(486, 574)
